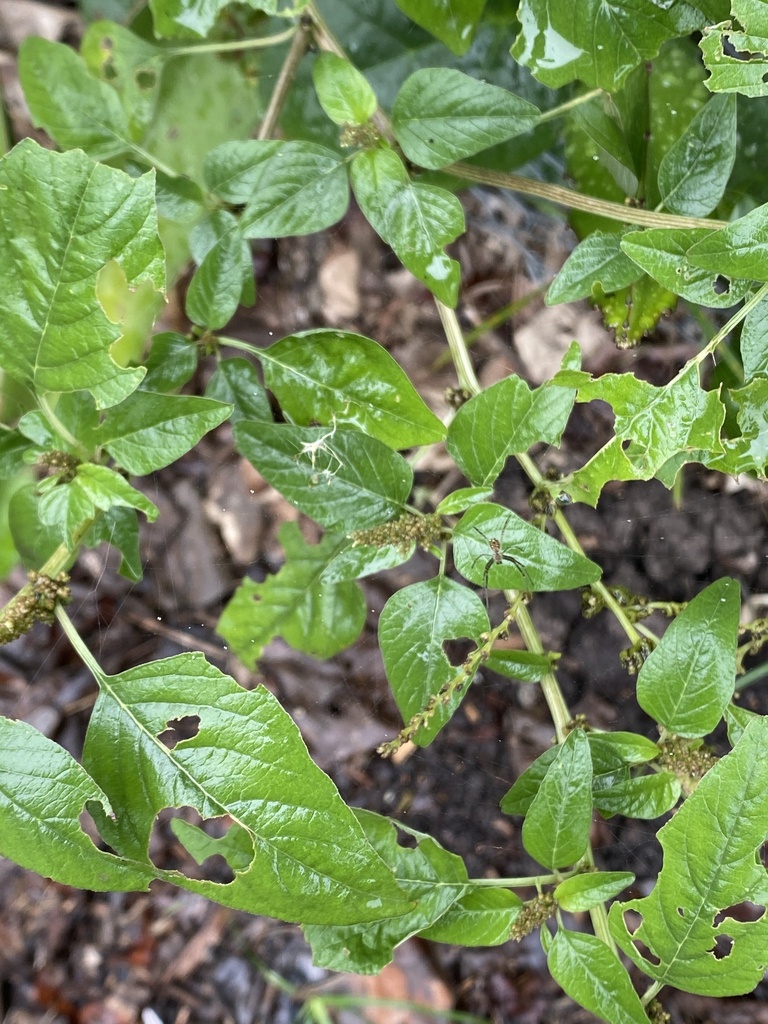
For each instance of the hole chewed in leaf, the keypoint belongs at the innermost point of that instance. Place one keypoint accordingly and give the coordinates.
(178, 729)
(146, 79)
(209, 849)
(722, 947)
(721, 285)
(634, 921)
(456, 650)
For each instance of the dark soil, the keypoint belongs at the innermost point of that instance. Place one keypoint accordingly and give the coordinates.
(169, 956)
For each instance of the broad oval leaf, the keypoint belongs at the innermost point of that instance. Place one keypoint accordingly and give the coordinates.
(236, 382)
(484, 917)
(495, 548)
(597, 263)
(413, 627)
(341, 476)
(754, 342)
(644, 796)
(740, 249)
(441, 115)
(343, 92)
(582, 892)
(686, 682)
(323, 376)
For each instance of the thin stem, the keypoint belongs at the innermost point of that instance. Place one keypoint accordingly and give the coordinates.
(77, 642)
(465, 371)
(526, 882)
(287, 73)
(651, 992)
(709, 349)
(565, 108)
(231, 47)
(576, 201)
(45, 405)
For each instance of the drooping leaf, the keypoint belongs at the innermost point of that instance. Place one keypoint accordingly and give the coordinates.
(711, 865)
(63, 212)
(600, 120)
(484, 917)
(686, 682)
(416, 220)
(343, 477)
(120, 528)
(441, 116)
(323, 376)
(518, 799)
(311, 860)
(237, 383)
(148, 431)
(343, 92)
(297, 603)
(452, 23)
(591, 974)
(433, 879)
(216, 287)
(597, 261)
(528, 559)
(556, 826)
(740, 249)
(414, 625)
(695, 170)
(34, 540)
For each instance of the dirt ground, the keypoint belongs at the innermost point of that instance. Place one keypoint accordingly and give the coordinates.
(170, 957)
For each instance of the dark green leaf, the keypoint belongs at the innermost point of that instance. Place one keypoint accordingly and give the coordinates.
(237, 383)
(234, 170)
(531, 560)
(519, 798)
(754, 342)
(686, 682)
(696, 169)
(582, 892)
(34, 540)
(741, 249)
(343, 92)
(172, 361)
(441, 116)
(216, 286)
(414, 625)
(644, 796)
(453, 24)
(484, 917)
(711, 865)
(324, 376)
(524, 665)
(556, 827)
(13, 445)
(601, 122)
(597, 262)
(298, 603)
(120, 528)
(340, 476)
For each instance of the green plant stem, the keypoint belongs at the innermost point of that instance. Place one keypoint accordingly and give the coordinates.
(717, 339)
(231, 47)
(651, 992)
(287, 73)
(465, 371)
(77, 642)
(48, 410)
(576, 201)
(755, 675)
(565, 108)
(526, 882)
(152, 160)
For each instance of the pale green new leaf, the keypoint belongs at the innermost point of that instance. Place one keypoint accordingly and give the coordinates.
(531, 560)
(506, 419)
(582, 892)
(414, 625)
(247, 761)
(433, 879)
(694, 172)
(416, 220)
(711, 865)
(596, 263)
(740, 249)
(556, 826)
(148, 431)
(484, 917)
(62, 218)
(77, 110)
(686, 682)
(598, 42)
(344, 94)
(107, 489)
(325, 376)
(43, 792)
(592, 975)
(347, 479)
(441, 115)
(453, 22)
(298, 603)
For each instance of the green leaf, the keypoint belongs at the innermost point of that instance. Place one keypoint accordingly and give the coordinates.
(324, 376)
(64, 509)
(416, 220)
(484, 917)
(711, 865)
(531, 560)
(120, 528)
(556, 827)
(601, 121)
(217, 285)
(297, 188)
(749, 452)
(519, 798)
(462, 499)
(414, 625)
(34, 540)
(13, 446)
(76, 109)
(643, 797)
(737, 719)
(582, 892)
(740, 249)
(664, 254)
(234, 169)
(441, 116)
(609, 748)
(687, 681)
(453, 23)
(148, 431)
(523, 665)
(311, 861)
(43, 792)
(354, 561)
(599, 43)
(432, 878)
(107, 489)
(172, 361)
(343, 92)
(754, 342)
(506, 419)
(297, 603)
(62, 212)
(237, 383)
(195, 18)
(737, 61)
(695, 170)
(344, 477)
(597, 263)
(592, 975)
